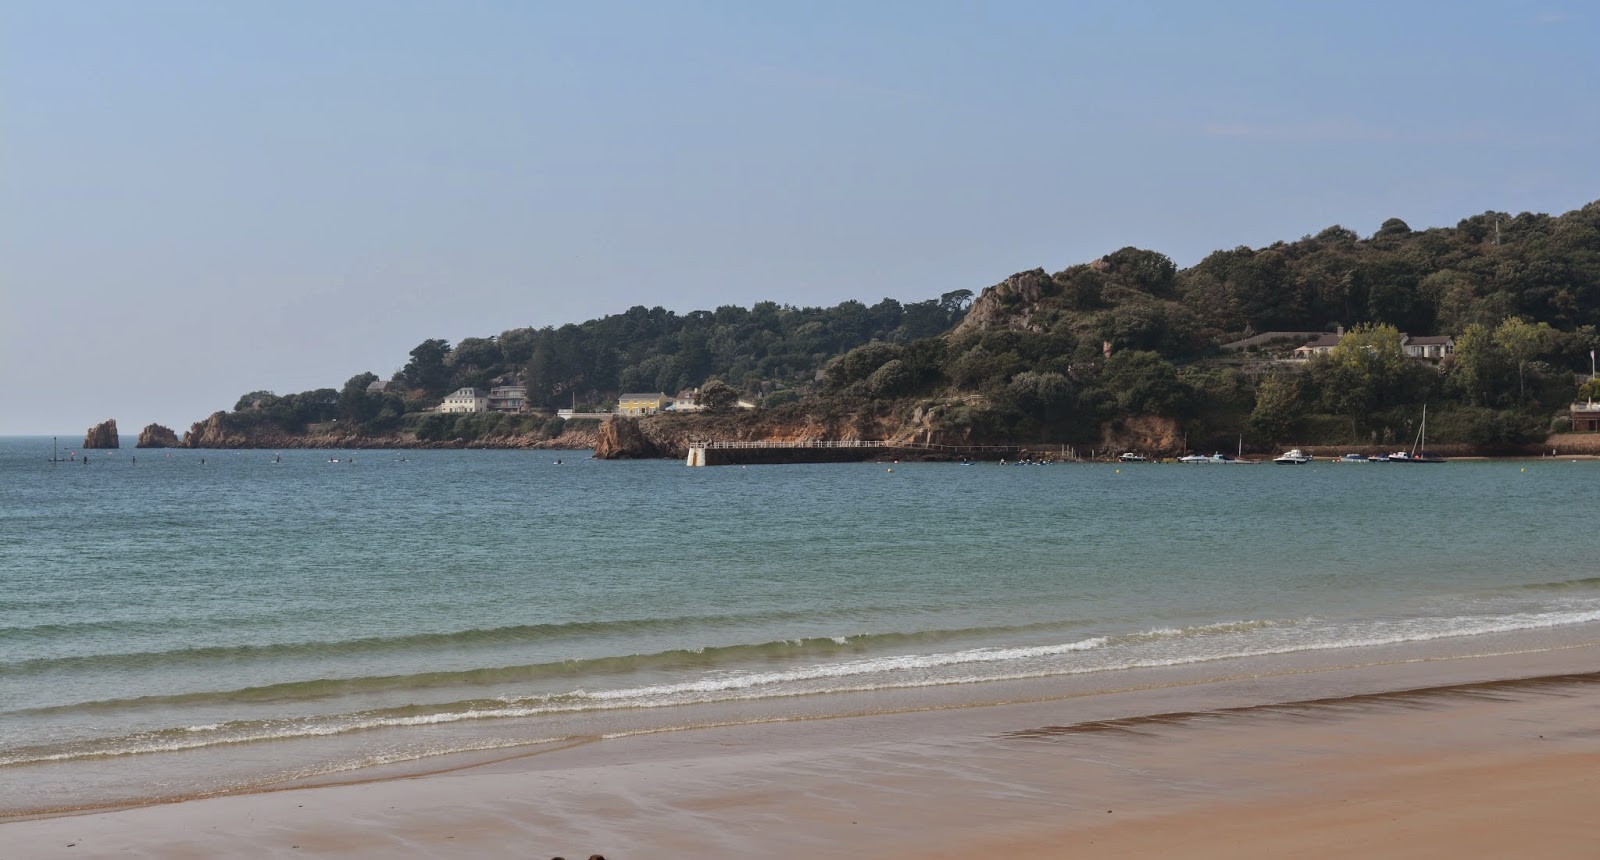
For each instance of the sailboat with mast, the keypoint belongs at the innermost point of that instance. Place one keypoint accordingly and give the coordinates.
(55, 453)
(1419, 452)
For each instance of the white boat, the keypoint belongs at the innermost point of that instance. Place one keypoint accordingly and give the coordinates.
(1418, 452)
(1131, 457)
(1293, 457)
(1353, 458)
(1214, 458)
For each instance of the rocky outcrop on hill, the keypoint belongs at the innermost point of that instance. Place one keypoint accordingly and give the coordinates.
(1008, 304)
(668, 435)
(621, 438)
(213, 433)
(157, 436)
(102, 435)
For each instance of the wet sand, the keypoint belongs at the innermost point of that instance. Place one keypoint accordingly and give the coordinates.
(1489, 756)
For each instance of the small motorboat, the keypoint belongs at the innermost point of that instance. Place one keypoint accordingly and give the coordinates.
(1293, 457)
(1131, 457)
(1354, 458)
(1213, 458)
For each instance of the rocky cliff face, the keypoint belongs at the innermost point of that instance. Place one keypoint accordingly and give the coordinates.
(103, 435)
(157, 436)
(622, 439)
(1008, 304)
(215, 432)
(1149, 434)
(670, 435)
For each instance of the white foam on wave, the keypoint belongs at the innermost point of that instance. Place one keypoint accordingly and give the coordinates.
(878, 673)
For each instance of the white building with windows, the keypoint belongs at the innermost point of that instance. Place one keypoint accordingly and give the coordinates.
(466, 400)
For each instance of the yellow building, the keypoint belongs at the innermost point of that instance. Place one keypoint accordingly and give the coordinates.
(642, 404)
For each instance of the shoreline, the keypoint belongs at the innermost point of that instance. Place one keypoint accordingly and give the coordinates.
(1178, 762)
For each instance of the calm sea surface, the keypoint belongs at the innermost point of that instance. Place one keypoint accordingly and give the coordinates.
(174, 623)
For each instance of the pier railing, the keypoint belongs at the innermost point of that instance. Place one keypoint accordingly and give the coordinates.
(849, 443)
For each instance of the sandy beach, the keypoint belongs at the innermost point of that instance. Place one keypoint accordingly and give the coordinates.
(1481, 756)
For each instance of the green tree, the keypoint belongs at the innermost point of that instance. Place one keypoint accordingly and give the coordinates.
(1363, 373)
(426, 370)
(355, 403)
(890, 380)
(1481, 367)
(717, 396)
(1047, 396)
(1145, 383)
(1523, 341)
(475, 354)
(1279, 408)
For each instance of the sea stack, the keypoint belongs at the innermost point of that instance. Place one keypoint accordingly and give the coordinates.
(157, 436)
(102, 435)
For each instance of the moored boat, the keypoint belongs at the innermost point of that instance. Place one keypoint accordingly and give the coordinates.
(1213, 458)
(1293, 457)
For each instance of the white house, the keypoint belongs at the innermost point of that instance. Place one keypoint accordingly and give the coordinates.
(1429, 348)
(684, 402)
(1425, 348)
(465, 400)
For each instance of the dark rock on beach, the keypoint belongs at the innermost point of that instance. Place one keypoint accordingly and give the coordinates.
(102, 435)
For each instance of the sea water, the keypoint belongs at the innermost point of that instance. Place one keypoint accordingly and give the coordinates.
(184, 622)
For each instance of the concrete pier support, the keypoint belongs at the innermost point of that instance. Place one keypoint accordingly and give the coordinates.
(697, 457)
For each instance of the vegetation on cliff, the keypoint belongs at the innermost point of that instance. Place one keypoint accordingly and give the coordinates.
(1127, 348)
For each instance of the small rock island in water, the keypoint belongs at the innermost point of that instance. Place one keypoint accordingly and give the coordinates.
(102, 435)
(158, 436)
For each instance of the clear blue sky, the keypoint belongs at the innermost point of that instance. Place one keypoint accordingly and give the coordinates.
(202, 199)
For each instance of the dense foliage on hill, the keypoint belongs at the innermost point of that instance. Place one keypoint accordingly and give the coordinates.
(1070, 356)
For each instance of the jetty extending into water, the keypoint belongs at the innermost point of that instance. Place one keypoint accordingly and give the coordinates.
(736, 453)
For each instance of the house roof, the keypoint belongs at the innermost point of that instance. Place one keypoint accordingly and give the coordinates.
(1327, 340)
(647, 395)
(1430, 340)
(466, 392)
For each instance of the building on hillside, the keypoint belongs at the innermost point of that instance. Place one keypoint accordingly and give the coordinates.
(1322, 345)
(465, 400)
(685, 401)
(383, 386)
(508, 398)
(642, 404)
(1429, 348)
(744, 404)
(1586, 416)
(1424, 348)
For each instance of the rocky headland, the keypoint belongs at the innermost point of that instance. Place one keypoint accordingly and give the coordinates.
(102, 435)
(216, 432)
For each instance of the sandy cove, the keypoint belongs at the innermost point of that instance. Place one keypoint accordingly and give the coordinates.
(1485, 756)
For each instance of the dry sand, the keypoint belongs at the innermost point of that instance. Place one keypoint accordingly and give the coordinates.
(1413, 760)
